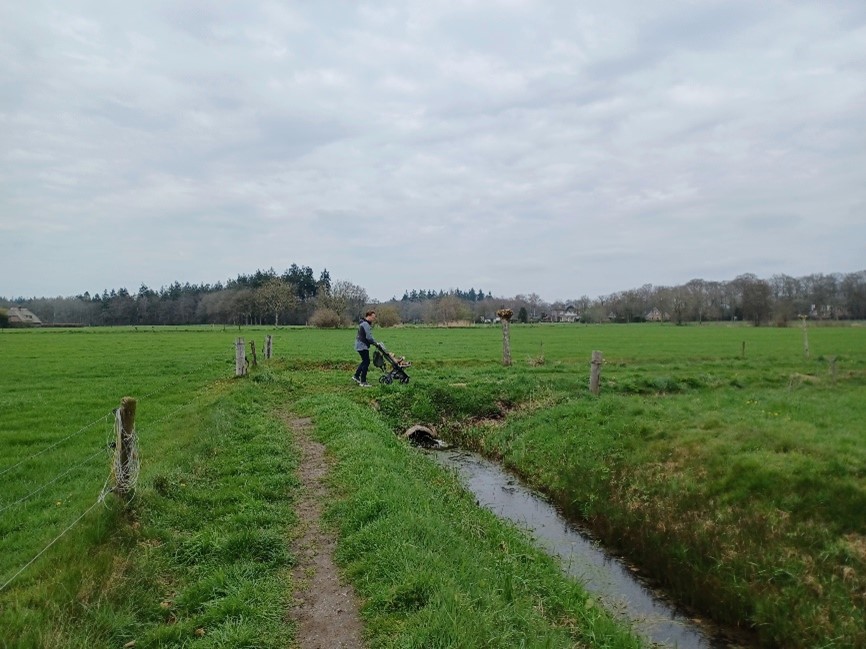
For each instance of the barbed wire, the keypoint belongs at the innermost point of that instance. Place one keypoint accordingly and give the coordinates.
(52, 481)
(126, 463)
(104, 417)
(57, 538)
(57, 443)
(181, 378)
(130, 468)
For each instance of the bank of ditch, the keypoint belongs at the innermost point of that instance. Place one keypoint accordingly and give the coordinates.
(742, 504)
(432, 569)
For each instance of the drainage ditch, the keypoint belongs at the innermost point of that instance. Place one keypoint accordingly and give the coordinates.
(607, 578)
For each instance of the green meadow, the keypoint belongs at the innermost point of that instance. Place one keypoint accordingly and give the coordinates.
(722, 460)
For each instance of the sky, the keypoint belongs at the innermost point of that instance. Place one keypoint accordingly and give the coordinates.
(561, 148)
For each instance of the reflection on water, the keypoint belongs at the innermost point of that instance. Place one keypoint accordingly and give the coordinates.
(602, 575)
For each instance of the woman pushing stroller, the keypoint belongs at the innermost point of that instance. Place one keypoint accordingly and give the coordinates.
(363, 340)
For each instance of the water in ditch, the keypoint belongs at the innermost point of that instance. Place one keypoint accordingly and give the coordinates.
(604, 576)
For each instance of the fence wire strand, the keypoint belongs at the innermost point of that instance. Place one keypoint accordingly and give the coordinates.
(57, 538)
(181, 378)
(103, 418)
(130, 468)
(52, 481)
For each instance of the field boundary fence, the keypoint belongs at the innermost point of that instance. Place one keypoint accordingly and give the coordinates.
(120, 445)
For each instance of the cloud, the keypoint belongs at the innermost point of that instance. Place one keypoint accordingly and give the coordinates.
(516, 146)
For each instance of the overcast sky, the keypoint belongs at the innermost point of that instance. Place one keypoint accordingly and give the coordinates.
(513, 146)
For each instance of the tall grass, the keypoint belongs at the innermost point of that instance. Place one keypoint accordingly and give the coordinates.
(433, 569)
(736, 482)
(200, 556)
(732, 473)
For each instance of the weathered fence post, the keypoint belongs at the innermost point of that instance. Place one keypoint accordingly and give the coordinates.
(268, 347)
(253, 353)
(595, 372)
(805, 336)
(240, 358)
(505, 317)
(832, 361)
(125, 452)
(743, 350)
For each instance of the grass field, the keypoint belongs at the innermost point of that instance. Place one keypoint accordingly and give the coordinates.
(722, 460)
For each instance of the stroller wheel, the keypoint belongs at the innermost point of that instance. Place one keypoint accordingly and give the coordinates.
(385, 379)
(404, 379)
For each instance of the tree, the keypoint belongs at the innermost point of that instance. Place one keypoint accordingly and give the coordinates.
(853, 290)
(679, 304)
(522, 315)
(450, 308)
(535, 305)
(756, 298)
(785, 292)
(275, 296)
(243, 305)
(346, 298)
(697, 297)
(324, 283)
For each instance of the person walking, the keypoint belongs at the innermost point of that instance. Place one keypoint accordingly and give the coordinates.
(363, 340)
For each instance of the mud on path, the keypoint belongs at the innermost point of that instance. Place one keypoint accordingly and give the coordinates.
(324, 609)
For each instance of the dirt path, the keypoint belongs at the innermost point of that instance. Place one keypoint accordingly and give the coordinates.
(325, 610)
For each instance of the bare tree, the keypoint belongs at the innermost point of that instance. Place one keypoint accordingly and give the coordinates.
(697, 297)
(853, 294)
(451, 309)
(275, 296)
(756, 297)
(345, 298)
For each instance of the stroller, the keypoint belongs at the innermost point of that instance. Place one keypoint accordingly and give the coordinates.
(398, 366)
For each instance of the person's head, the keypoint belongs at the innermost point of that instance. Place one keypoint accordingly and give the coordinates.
(370, 316)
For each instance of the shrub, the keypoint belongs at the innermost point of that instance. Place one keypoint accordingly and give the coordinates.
(388, 316)
(324, 318)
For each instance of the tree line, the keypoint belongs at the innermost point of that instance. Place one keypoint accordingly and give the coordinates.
(298, 297)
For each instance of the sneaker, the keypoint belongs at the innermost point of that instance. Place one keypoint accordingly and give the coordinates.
(356, 380)
(365, 385)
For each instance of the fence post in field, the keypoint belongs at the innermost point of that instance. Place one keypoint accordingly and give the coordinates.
(253, 353)
(595, 372)
(805, 336)
(125, 452)
(832, 361)
(505, 317)
(240, 358)
(268, 347)
(743, 350)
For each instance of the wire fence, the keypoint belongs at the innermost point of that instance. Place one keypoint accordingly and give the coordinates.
(124, 467)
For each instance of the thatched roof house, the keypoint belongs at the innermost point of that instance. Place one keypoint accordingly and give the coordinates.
(21, 317)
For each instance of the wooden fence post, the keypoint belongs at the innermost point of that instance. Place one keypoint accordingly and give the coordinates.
(125, 453)
(595, 372)
(805, 336)
(240, 358)
(505, 317)
(268, 347)
(253, 353)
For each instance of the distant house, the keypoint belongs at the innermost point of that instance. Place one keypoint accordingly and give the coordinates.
(568, 314)
(656, 316)
(21, 317)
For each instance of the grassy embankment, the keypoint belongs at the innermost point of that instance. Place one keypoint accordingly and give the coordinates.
(199, 555)
(200, 558)
(738, 481)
